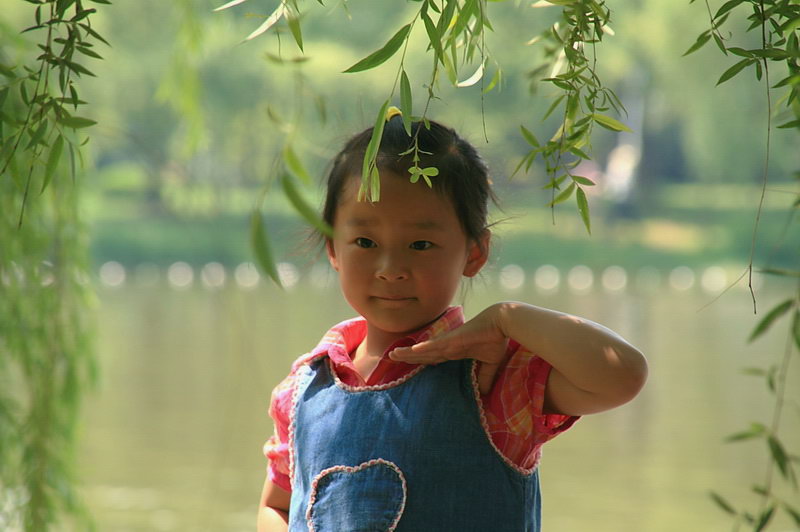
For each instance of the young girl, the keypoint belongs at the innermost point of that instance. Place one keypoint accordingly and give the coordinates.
(406, 418)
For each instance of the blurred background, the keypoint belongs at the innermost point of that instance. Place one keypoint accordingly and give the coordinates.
(192, 338)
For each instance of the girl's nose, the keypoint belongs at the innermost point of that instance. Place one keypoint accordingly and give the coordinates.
(392, 268)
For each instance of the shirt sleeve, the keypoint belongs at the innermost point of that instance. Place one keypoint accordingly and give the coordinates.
(276, 449)
(517, 398)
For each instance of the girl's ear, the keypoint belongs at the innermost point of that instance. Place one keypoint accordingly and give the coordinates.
(331, 254)
(478, 254)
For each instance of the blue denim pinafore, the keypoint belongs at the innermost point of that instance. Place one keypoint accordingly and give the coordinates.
(409, 457)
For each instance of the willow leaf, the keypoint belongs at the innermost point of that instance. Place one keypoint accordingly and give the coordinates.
(382, 55)
(583, 209)
(405, 101)
(261, 247)
(230, 4)
(610, 123)
(267, 24)
(302, 207)
(52, 160)
(776, 312)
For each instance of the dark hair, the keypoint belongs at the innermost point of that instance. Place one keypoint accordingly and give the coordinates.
(463, 176)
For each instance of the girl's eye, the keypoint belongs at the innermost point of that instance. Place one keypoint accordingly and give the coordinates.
(365, 242)
(421, 245)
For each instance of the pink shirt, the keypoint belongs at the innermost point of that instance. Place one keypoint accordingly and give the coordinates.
(513, 415)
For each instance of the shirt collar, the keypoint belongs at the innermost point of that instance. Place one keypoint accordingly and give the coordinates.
(344, 337)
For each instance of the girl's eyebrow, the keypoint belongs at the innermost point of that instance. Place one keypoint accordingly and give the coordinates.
(419, 224)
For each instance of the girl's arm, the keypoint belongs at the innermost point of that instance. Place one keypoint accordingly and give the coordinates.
(594, 369)
(273, 510)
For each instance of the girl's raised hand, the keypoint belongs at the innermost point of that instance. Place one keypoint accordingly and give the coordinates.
(480, 338)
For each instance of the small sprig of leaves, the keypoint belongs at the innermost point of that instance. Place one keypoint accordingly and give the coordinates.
(584, 99)
(456, 37)
(38, 103)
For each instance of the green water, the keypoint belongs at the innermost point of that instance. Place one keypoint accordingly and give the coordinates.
(173, 435)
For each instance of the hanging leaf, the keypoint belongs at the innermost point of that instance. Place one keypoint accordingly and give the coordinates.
(382, 55)
(369, 169)
(563, 195)
(781, 459)
(735, 69)
(610, 123)
(294, 164)
(230, 4)
(495, 80)
(793, 513)
(530, 137)
(701, 41)
(261, 247)
(756, 430)
(473, 79)
(433, 36)
(764, 519)
(52, 161)
(294, 26)
(76, 122)
(583, 209)
(267, 24)
(776, 312)
(405, 101)
(302, 207)
(722, 503)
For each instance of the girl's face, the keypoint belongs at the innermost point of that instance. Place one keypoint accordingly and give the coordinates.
(400, 260)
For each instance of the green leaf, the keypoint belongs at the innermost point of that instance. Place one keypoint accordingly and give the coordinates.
(756, 430)
(610, 123)
(701, 41)
(583, 208)
(433, 36)
(405, 101)
(796, 328)
(727, 6)
(430, 171)
(792, 124)
(276, 15)
(735, 69)
(585, 181)
(563, 195)
(776, 312)
(37, 135)
(793, 513)
(780, 457)
(294, 27)
(230, 4)
(302, 207)
(552, 107)
(382, 55)
(764, 519)
(76, 122)
(530, 137)
(370, 155)
(261, 247)
(294, 165)
(52, 160)
(722, 503)
(495, 80)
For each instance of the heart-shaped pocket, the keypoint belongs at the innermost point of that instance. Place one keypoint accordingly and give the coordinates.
(369, 497)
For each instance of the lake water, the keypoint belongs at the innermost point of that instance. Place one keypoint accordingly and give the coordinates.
(172, 436)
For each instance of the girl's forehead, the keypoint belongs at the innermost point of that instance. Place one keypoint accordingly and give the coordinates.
(413, 203)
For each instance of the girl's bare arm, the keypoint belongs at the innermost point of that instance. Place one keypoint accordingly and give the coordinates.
(273, 509)
(594, 369)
